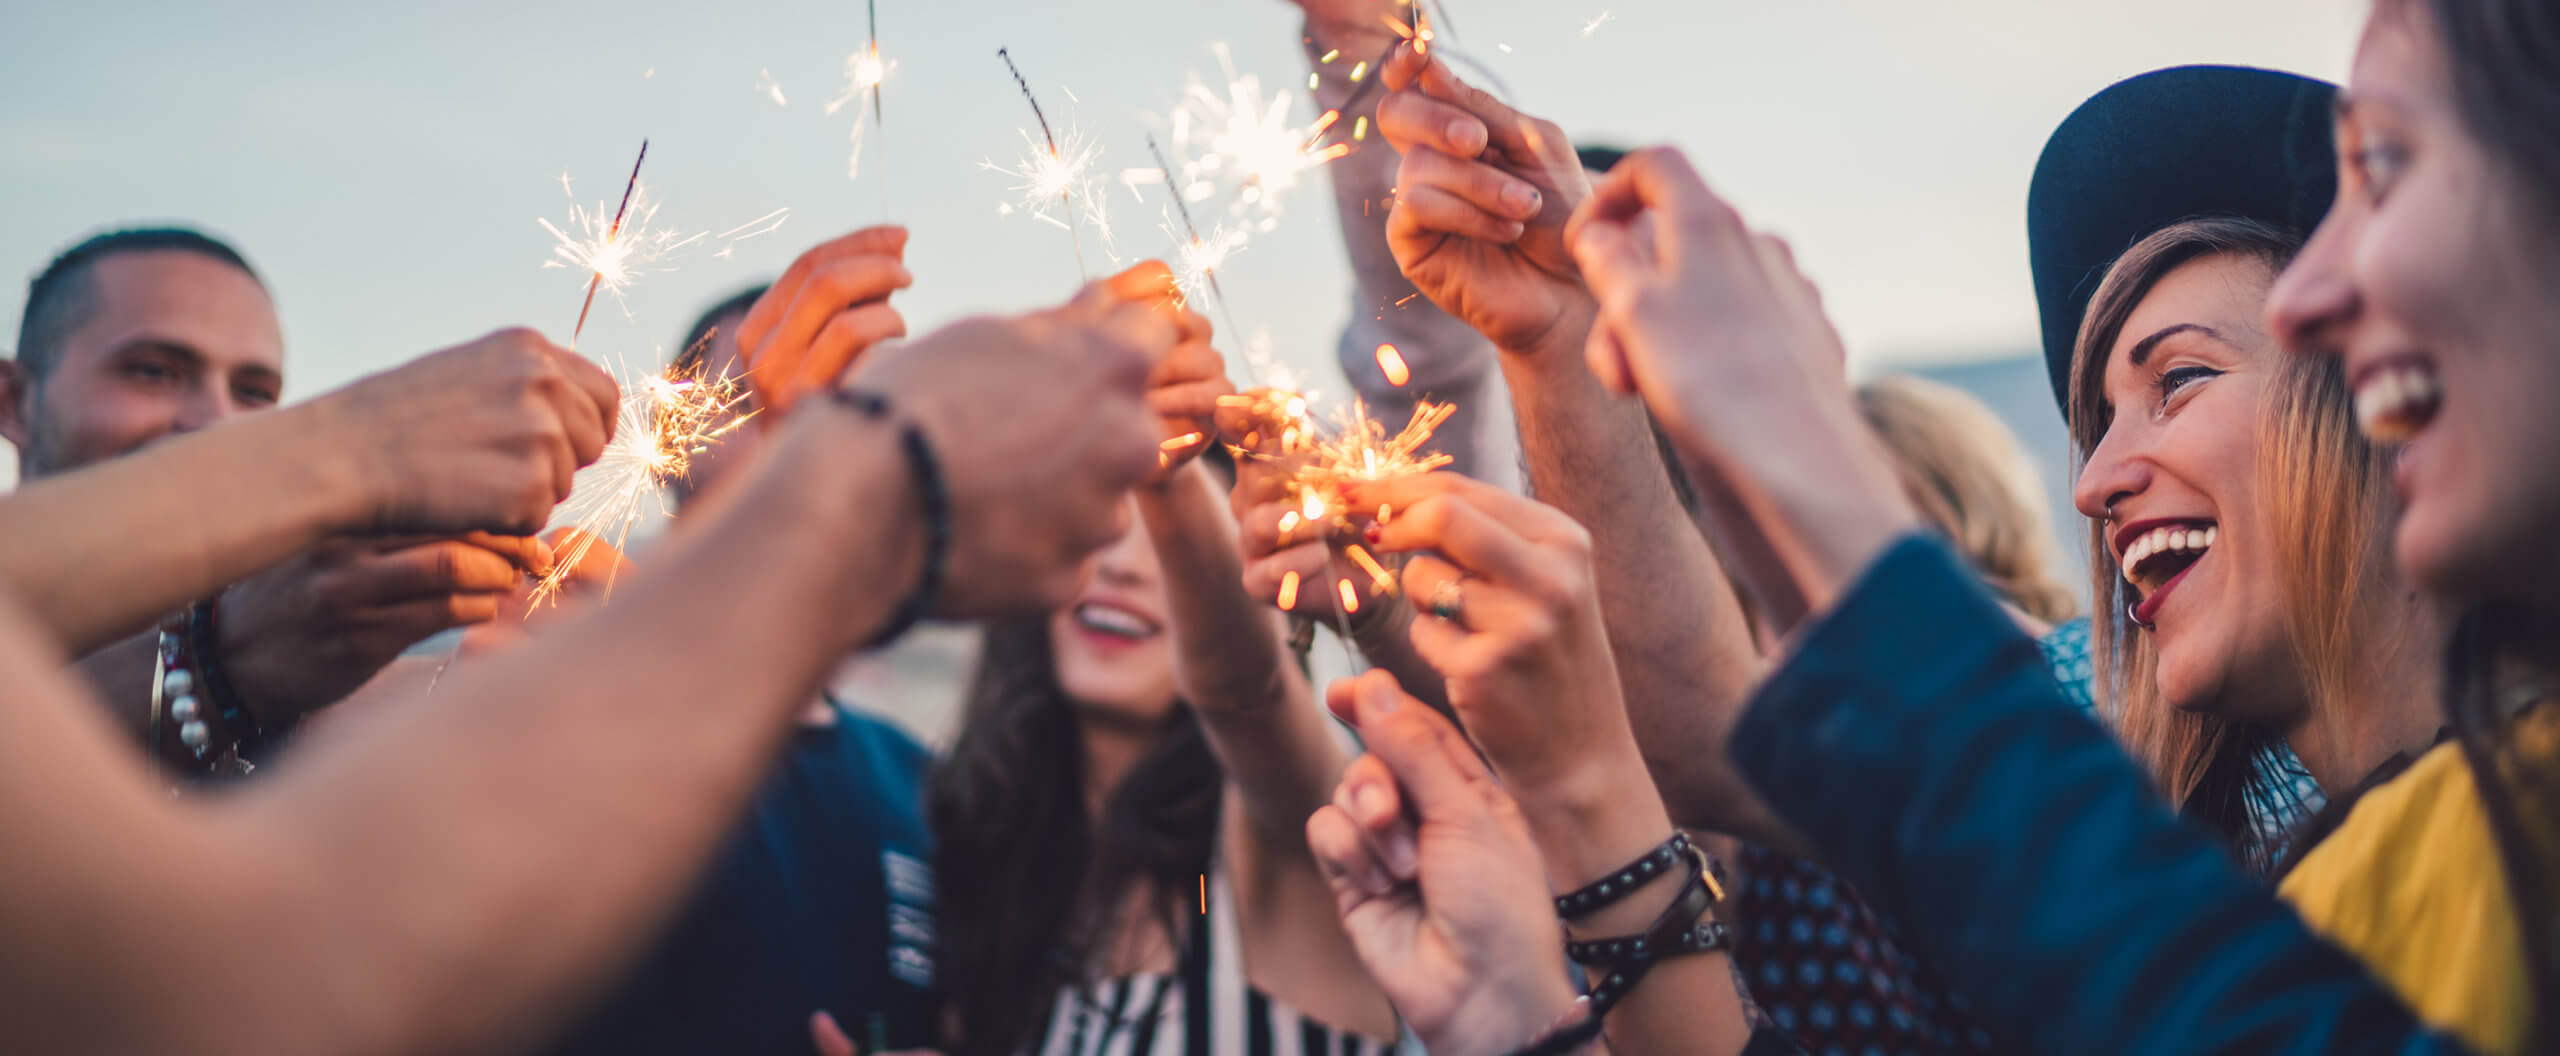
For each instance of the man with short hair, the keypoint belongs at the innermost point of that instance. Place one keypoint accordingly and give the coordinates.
(139, 334)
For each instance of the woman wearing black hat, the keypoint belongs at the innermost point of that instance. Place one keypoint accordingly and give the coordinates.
(2239, 527)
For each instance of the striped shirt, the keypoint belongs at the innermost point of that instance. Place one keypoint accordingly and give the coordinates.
(1150, 1014)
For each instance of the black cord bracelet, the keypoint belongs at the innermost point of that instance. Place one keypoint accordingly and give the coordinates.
(933, 495)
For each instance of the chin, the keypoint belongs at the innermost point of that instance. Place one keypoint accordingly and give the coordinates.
(2461, 554)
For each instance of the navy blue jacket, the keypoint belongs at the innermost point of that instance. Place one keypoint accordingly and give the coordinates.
(822, 899)
(1918, 739)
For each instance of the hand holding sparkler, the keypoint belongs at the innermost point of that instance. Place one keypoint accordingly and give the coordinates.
(1512, 621)
(1481, 203)
(1184, 391)
(829, 306)
(484, 436)
(1041, 427)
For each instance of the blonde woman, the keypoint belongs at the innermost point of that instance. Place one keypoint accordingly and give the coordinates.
(1966, 475)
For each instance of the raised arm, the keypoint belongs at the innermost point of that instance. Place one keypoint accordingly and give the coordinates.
(458, 877)
(483, 436)
(2028, 857)
(1479, 226)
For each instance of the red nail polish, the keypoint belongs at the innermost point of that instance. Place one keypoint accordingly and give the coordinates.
(1373, 533)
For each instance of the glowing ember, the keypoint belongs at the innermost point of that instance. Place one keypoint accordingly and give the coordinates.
(1350, 597)
(1289, 589)
(1391, 363)
(665, 419)
(1239, 143)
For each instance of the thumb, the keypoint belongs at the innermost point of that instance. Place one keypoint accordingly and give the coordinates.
(1429, 758)
(828, 1037)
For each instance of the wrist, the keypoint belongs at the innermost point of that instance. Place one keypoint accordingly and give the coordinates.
(317, 472)
(1509, 1016)
(1594, 820)
(841, 478)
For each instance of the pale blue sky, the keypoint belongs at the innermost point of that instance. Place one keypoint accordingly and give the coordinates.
(384, 163)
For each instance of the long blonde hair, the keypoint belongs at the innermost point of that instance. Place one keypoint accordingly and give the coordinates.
(2329, 499)
(1968, 477)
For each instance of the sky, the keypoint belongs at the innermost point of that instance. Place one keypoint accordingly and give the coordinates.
(385, 165)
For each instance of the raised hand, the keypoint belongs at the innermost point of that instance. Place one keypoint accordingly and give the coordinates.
(484, 436)
(1041, 426)
(306, 633)
(1183, 392)
(1727, 342)
(1481, 203)
(1510, 619)
(1437, 879)
(829, 306)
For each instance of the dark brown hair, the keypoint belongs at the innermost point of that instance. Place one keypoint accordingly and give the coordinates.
(1027, 886)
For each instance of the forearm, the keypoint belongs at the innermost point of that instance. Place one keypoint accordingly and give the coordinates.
(1683, 650)
(1597, 825)
(1232, 662)
(102, 552)
(483, 857)
(1986, 810)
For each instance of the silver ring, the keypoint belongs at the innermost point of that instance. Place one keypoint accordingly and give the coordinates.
(1446, 602)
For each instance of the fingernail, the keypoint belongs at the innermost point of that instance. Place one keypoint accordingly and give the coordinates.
(1371, 801)
(1373, 533)
(1403, 857)
(1466, 135)
(1521, 197)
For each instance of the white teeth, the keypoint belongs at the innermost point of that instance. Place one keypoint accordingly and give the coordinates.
(2393, 403)
(2163, 540)
(1112, 621)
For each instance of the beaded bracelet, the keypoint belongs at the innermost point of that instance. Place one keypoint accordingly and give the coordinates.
(934, 497)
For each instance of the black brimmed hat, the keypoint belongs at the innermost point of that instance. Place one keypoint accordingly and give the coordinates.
(2170, 145)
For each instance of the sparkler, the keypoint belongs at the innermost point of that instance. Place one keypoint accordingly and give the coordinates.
(1199, 258)
(864, 70)
(1063, 173)
(1242, 143)
(664, 420)
(609, 254)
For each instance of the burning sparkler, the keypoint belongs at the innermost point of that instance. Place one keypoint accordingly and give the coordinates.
(1358, 450)
(608, 259)
(1242, 143)
(864, 70)
(664, 420)
(615, 249)
(1062, 174)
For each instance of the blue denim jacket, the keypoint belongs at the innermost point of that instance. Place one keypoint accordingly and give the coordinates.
(1918, 738)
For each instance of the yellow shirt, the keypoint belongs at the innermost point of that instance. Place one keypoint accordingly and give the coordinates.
(2411, 883)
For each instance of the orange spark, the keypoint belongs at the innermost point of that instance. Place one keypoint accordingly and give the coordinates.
(1392, 363)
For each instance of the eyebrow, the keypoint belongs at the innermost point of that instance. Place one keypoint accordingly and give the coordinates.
(2142, 349)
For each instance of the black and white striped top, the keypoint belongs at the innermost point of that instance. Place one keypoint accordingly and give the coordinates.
(1149, 1014)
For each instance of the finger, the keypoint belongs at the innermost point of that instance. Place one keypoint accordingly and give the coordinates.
(414, 621)
(1413, 121)
(1367, 794)
(1611, 263)
(1442, 778)
(789, 353)
(1350, 868)
(1403, 67)
(1432, 211)
(828, 1037)
(1524, 516)
(600, 404)
(847, 335)
(887, 240)
(531, 553)
(1511, 131)
(1606, 356)
(1481, 604)
(421, 572)
(1308, 565)
(1487, 188)
(1662, 180)
(1194, 402)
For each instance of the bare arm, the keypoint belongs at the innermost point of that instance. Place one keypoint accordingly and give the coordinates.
(1233, 664)
(1480, 225)
(93, 553)
(446, 877)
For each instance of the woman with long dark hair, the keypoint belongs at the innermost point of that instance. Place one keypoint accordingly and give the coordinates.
(1121, 860)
